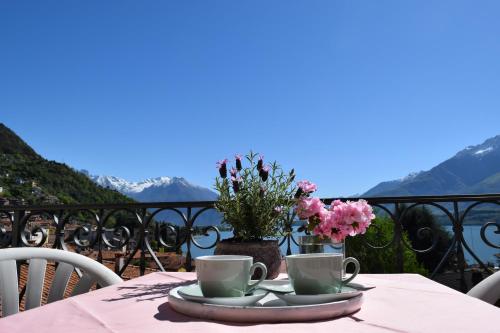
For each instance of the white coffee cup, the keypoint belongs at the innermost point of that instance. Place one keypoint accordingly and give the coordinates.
(318, 273)
(227, 275)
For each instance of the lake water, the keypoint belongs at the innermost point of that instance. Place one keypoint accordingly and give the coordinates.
(471, 234)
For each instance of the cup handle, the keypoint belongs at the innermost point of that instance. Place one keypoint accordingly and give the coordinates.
(263, 268)
(346, 262)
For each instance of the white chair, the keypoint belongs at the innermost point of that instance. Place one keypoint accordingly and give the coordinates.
(487, 290)
(92, 272)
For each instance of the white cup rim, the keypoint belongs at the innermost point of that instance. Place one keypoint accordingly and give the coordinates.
(313, 255)
(223, 258)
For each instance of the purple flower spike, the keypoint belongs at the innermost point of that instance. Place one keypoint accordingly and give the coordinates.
(264, 173)
(221, 165)
(236, 183)
(260, 163)
(236, 187)
(238, 162)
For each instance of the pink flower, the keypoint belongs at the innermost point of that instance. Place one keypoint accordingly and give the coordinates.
(306, 186)
(366, 216)
(340, 220)
(336, 203)
(325, 221)
(331, 227)
(366, 209)
(354, 216)
(352, 213)
(307, 207)
(338, 235)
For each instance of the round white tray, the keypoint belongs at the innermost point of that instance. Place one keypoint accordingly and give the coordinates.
(268, 310)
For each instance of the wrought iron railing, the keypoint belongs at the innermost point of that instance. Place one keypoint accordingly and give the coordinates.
(83, 227)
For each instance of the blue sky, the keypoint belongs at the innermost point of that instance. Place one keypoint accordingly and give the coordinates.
(349, 93)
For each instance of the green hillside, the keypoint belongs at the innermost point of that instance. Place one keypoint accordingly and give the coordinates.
(26, 175)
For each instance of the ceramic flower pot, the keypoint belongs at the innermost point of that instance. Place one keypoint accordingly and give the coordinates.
(265, 251)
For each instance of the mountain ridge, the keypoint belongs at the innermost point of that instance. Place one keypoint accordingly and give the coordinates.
(27, 177)
(472, 170)
(157, 189)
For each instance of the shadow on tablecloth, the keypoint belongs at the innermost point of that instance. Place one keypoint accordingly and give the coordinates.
(146, 292)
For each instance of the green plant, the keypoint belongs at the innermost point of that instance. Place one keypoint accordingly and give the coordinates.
(254, 200)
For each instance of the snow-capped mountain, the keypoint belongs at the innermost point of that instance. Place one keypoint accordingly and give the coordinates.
(157, 189)
(124, 186)
(473, 170)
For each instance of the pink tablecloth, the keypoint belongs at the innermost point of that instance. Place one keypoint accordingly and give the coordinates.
(399, 303)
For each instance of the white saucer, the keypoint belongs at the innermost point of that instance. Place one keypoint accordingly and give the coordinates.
(193, 293)
(294, 299)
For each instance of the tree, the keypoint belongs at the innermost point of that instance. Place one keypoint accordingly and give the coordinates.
(381, 260)
(422, 230)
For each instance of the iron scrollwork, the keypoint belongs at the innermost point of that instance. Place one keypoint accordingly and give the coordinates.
(37, 233)
(89, 232)
(483, 233)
